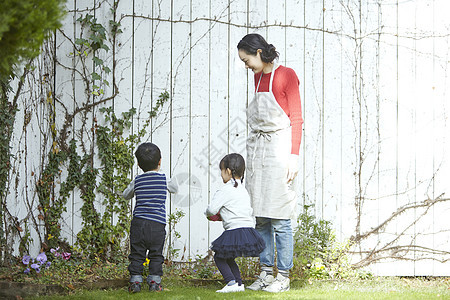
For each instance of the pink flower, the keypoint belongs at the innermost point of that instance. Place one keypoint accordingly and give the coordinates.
(65, 255)
(55, 252)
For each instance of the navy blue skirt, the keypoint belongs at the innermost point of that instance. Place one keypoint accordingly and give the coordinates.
(238, 242)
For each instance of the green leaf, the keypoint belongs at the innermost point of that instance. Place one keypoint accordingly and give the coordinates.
(97, 61)
(95, 76)
(23, 28)
(80, 41)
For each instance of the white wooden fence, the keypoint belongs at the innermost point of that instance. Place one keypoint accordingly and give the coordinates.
(374, 87)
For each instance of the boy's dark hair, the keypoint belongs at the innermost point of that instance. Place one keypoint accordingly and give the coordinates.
(252, 42)
(236, 163)
(148, 156)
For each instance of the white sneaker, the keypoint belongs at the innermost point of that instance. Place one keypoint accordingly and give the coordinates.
(232, 288)
(280, 284)
(263, 281)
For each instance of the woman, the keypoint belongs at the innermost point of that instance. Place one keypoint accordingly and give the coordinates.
(275, 119)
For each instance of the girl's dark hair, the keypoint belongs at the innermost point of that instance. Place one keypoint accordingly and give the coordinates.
(252, 42)
(236, 163)
(148, 156)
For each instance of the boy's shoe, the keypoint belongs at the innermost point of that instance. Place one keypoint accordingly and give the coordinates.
(232, 288)
(262, 282)
(280, 284)
(135, 287)
(155, 287)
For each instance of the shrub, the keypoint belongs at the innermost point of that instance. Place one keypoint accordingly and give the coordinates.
(24, 27)
(317, 253)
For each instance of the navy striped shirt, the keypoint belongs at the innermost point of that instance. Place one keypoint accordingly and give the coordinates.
(151, 192)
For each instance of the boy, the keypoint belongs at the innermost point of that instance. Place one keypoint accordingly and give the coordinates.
(147, 231)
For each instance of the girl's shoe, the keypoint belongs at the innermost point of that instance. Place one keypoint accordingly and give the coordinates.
(232, 288)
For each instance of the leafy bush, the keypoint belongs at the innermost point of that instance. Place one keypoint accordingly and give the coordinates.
(24, 27)
(317, 253)
(313, 238)
(205, 270)
(249, 267)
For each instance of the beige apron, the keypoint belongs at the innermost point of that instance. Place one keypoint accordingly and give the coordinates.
(268, 150)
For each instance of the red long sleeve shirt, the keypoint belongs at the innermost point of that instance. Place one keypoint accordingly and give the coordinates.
(285, 88)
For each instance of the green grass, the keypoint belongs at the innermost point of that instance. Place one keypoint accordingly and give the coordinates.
(378, 288)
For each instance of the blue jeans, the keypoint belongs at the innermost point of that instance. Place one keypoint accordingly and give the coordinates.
(276, 232)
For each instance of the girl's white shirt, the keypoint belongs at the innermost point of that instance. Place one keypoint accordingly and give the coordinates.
(233, 204)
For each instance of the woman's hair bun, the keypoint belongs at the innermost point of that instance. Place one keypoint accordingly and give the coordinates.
(253, 41)
(269, 53)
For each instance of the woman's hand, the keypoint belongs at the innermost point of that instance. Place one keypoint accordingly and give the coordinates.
(293, 167)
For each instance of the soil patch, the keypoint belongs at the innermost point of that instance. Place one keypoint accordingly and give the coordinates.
(19, 290)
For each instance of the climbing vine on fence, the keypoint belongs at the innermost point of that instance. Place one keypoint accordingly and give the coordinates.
(51, 207)
(113, 141)
(7, 113)
(80, 171)
(100, 234)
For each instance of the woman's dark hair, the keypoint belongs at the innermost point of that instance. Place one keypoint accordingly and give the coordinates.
(252, 42)
(148, 156)
(236, 163)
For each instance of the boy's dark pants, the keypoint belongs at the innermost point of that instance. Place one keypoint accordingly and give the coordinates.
(146, 235)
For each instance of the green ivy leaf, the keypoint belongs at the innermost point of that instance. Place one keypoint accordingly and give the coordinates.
(80, 41)
(97, 61)
(95, 76)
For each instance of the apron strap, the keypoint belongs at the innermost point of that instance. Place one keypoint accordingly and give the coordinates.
(259, 81)
(271, 77)
(275, 66)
